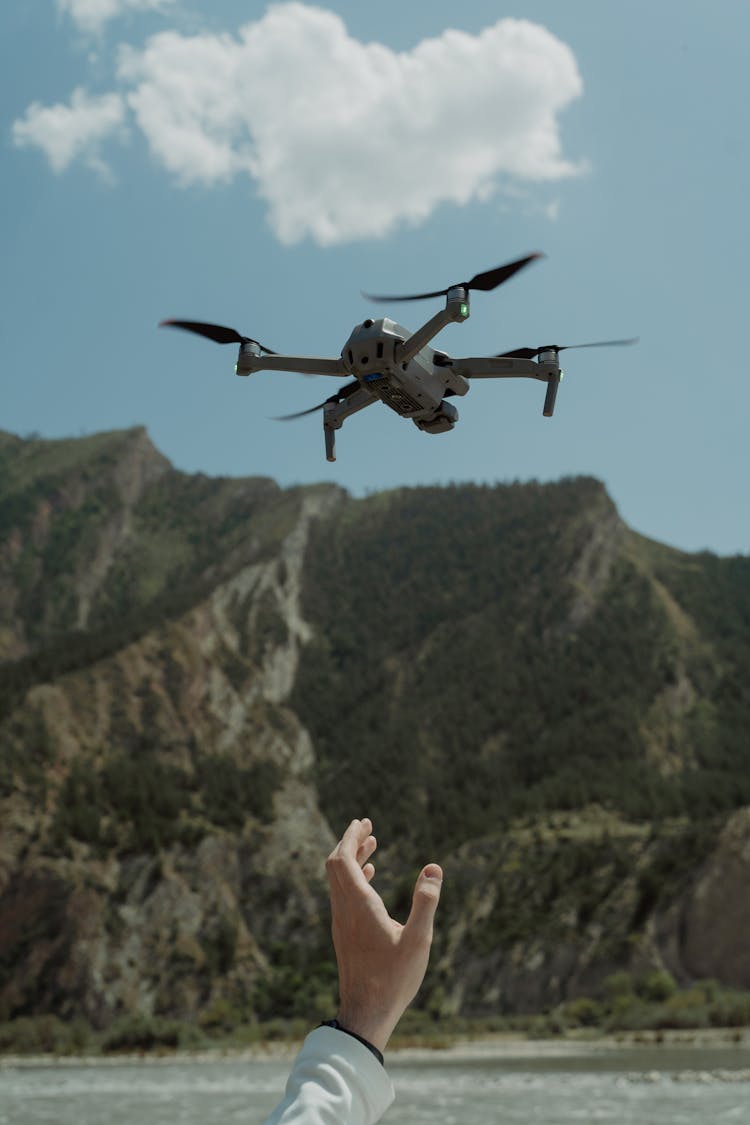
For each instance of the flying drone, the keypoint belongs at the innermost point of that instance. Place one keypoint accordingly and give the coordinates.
(389, 364)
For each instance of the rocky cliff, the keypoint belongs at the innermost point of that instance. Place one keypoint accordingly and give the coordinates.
(203, 679)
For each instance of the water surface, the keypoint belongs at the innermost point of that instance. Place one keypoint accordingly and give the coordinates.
(662, 1086)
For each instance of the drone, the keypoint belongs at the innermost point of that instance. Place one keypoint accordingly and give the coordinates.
(387, 363)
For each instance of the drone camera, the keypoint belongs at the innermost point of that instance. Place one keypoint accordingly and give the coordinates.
(443, 420)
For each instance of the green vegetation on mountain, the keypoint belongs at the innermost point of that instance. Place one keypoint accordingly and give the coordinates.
(137, 803)
(104, 543)
(463, 655)
(202, 680)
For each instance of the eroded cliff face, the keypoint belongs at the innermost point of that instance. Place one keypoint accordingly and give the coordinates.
(539, 915)
(74, 503)
(121, 888)
(205, 679)
(703, 935)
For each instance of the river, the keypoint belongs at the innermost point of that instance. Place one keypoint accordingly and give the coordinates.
(622, 1086)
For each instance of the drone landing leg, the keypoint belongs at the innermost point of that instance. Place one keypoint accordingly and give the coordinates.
(335, 413)
(549, 398)
(330, 435)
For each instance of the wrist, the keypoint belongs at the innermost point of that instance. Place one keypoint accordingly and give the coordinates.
(373, 1028)
(338, 1026)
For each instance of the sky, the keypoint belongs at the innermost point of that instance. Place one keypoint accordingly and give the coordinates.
(260, 165)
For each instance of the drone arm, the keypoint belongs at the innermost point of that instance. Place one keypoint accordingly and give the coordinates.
(423, 335)
(456, 309)
(502, 367)
(512, 367)
(304, 364)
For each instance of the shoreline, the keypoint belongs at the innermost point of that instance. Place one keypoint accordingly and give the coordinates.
(508, 1046)
(483, 1048)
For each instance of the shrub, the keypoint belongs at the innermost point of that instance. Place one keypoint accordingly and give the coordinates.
(583, 1012)
(45, 1034)
(731, 1010)
(619, 985)
(146, 1033)
(657, 986)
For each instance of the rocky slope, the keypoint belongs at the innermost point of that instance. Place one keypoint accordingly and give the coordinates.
(204, 679)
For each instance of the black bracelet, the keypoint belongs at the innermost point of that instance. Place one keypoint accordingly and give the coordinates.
(365, 1042)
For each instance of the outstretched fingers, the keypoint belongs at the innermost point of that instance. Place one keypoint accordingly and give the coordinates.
(348, 861)
(365, 850)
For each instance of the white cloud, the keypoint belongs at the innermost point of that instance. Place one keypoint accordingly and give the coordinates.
(67, 132)
(345, 139)
(90, 16)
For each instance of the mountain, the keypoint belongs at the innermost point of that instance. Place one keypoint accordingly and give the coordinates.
(204, 679)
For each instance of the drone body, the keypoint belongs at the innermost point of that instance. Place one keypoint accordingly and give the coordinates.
(389, 364)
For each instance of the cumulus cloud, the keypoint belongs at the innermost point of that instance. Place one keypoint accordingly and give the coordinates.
(68, 132)
(344, 139)
(90, 16)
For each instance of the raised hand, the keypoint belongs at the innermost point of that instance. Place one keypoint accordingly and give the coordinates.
(381, 963)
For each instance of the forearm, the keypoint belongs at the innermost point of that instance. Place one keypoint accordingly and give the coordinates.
(334, 1081)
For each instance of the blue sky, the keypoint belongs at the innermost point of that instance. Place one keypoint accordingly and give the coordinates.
(258, 166)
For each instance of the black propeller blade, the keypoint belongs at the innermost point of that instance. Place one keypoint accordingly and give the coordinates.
(341, 394)
(531, 353)
(485, 282)
(215, 332)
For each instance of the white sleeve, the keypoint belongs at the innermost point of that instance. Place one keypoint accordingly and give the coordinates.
(335, 1080)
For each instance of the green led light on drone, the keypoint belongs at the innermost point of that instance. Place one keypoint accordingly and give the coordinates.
(464, 310)
(235, 368)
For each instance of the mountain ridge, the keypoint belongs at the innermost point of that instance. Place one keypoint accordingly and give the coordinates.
(204, 679)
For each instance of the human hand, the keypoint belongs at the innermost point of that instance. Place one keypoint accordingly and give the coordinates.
(381, 963)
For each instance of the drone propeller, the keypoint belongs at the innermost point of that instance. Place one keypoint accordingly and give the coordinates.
(340, 396)
(215, 332)
(531, 353)
(485, 282)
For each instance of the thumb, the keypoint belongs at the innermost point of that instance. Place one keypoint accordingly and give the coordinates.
(424, 902)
